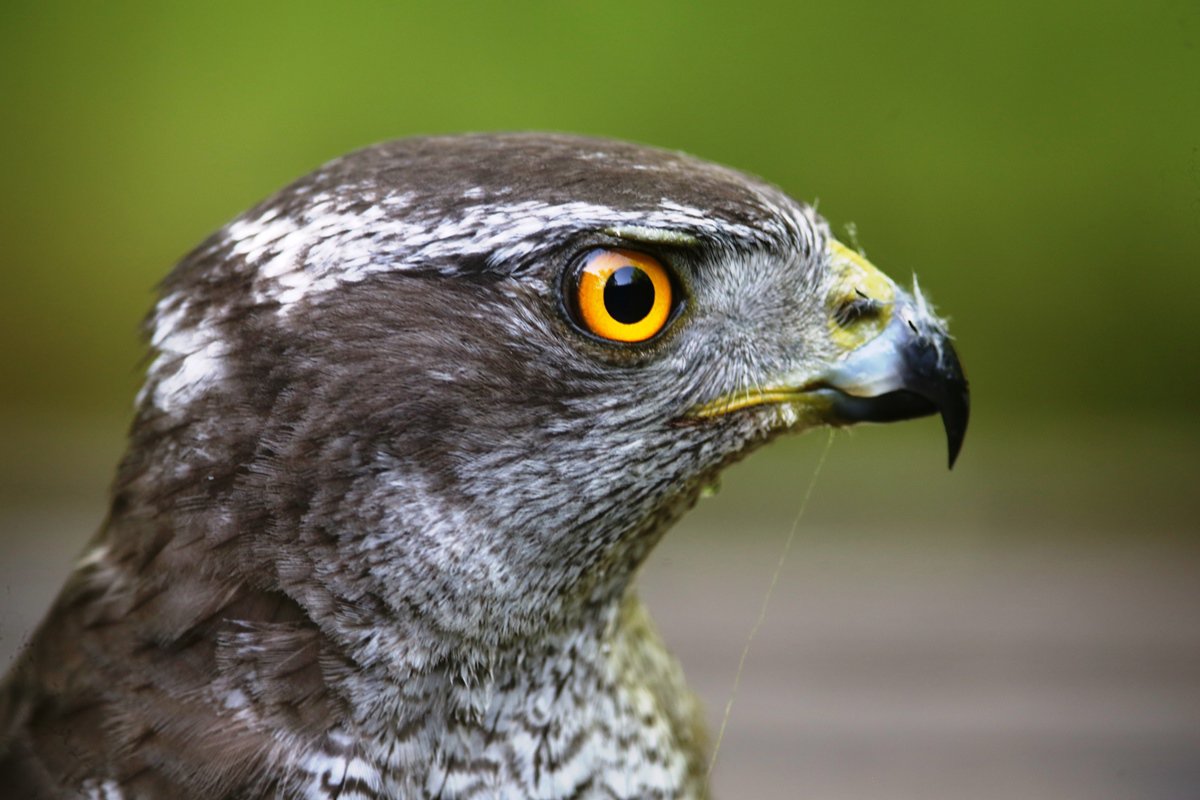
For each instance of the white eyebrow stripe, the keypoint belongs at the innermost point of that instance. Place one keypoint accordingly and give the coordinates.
(331, 243)
(293, 259)
(190, 357)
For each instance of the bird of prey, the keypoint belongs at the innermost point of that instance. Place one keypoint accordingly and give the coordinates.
(409, 428)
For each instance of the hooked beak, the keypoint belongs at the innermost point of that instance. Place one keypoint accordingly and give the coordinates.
(898, 362)
(909, 370)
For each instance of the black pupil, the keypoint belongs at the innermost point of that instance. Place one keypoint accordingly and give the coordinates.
(629, 295)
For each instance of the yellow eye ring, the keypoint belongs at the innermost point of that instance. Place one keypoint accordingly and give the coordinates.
(623, 295)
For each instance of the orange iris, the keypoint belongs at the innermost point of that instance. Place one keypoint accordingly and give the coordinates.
(623, 295)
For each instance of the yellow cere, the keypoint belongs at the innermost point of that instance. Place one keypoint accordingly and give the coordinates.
(856, 278)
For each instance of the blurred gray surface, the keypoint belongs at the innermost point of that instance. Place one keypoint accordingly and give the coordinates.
(924, 670)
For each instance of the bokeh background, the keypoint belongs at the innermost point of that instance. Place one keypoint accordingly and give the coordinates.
(1026, 626)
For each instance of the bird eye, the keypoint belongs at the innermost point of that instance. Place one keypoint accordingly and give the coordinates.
(623, 295)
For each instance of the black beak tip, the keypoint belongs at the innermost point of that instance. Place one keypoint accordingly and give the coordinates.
(954, 420)
(954, 403)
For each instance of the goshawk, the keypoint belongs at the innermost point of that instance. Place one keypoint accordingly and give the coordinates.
(409, 428)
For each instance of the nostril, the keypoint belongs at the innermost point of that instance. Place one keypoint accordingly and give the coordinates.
(859, 307)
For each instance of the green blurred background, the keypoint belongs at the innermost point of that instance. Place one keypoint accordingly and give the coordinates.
(1038, 165)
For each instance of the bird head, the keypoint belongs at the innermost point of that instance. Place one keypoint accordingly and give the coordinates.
(465, 383)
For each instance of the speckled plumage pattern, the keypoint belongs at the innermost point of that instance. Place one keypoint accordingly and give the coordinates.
(375, 532)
